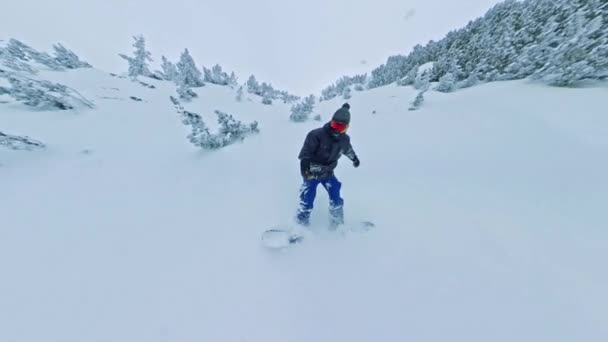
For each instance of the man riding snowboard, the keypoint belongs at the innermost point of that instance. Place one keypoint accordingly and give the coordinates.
(318, 159)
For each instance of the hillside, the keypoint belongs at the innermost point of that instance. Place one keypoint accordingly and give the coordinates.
(556, 42)
(489, 204)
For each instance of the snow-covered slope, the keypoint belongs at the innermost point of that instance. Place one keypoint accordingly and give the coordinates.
(490, 205)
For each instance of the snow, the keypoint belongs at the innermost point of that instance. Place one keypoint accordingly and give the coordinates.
(425, 67)
(489, 206)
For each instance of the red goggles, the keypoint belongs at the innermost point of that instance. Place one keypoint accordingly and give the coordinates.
(338, 126)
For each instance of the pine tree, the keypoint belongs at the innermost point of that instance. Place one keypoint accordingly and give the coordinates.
(68, 59)
(347, 94)
(572, 60)
(230, 130)
(422, 81)
(216, 75)
(560, 42)
(188, 73)
(43, 95)
(417, 103)
(25, 53)
(138, 64)
(232, 80)
(253, 87)
(267, 98)
(410, 78)
(169, 72)
(471, 81)
(185, 92)
(447, 83)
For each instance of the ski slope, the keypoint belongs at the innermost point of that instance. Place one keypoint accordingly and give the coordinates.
(489, 204)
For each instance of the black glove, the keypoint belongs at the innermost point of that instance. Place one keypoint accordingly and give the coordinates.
(356, 162)
(305, 168)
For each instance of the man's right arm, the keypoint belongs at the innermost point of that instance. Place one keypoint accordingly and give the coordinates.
(306, 153)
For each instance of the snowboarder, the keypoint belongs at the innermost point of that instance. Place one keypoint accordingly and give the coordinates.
(318, 159)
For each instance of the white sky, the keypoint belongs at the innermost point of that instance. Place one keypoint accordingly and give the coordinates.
(297, 46)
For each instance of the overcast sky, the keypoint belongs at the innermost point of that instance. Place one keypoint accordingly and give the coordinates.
(300, 46)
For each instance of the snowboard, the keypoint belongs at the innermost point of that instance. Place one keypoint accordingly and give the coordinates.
(280, 238)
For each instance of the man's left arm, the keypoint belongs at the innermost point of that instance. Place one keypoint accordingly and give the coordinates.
(349, 152)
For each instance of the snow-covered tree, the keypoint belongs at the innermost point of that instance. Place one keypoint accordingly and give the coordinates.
(447, 83)
(14, 63)
(216, 75)
(230, 130)
(287, 98)
(300, 112)
(43, 95)
(267, 91)
(253, 87)
(572, 60)
(342, 86)
(267, 98)
(232, 80)
(422, 81)
(185, 92)
(25, 53)
(138, 64)
(410, 78)
(417, 103)
(329, 93)
(188, 75)
(471, 81)
(68, 59)
(560, 42)
(169, 72)
(347, 94)
(15, 142)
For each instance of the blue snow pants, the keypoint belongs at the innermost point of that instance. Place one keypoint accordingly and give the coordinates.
(308, 192)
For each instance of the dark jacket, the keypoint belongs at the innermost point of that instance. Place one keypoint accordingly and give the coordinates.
(321, 151)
